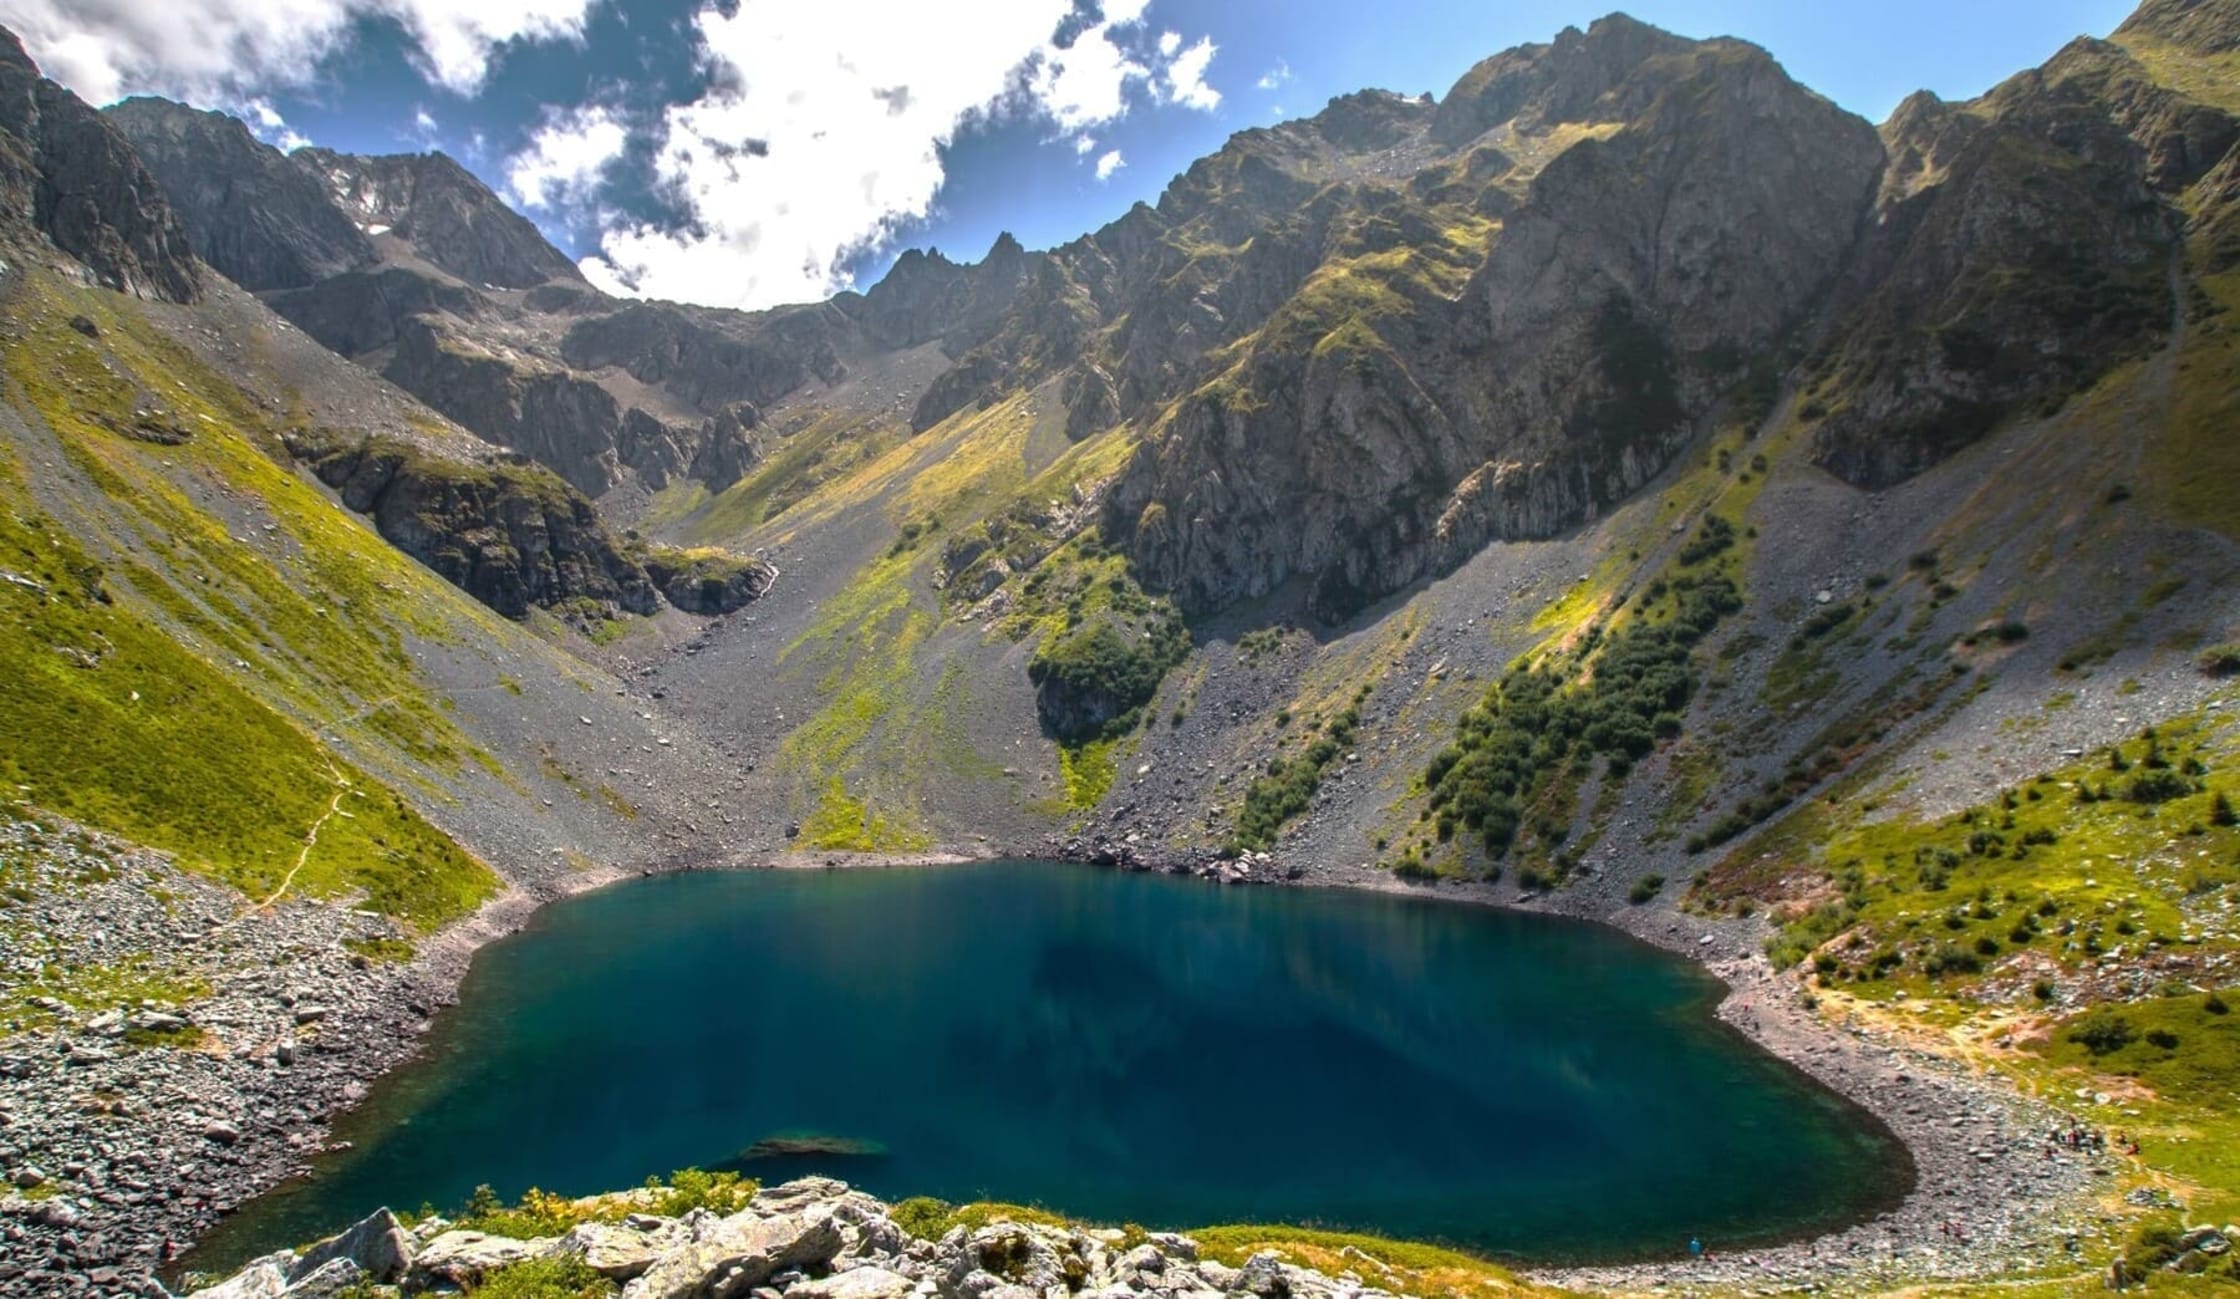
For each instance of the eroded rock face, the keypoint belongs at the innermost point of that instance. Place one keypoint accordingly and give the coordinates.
(361, 311)
(511, 535)
(1713, 199)
(708, 582)
(2018, 248)
(82, 185)
(451, 219)
(255, 217)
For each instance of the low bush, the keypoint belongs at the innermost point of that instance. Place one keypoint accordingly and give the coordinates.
(2103, 1031)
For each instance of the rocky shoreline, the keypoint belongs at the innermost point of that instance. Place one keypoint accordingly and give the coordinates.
(135, 1153)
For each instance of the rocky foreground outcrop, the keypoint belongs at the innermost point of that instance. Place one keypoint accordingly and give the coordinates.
(808, 1239)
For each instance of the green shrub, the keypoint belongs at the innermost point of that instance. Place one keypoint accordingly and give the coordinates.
(1644, 889)
(2102, 1031)
(1536, 720)
(2220, 660)
(540, 1213)
(924, 1217)
(692, 1188)
(545, 1278)
(1713, 538)
(1093, 682)
(1287, 786)
(2157, 787)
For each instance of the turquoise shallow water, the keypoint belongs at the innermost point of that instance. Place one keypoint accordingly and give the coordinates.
(1119, 1047)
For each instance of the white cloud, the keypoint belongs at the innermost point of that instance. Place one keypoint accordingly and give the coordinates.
(567, 156)
(268, 125)
(1169, 42)
(423, 121)
(1186, 76)
(820, 135)
(225, 51)
(1087, 83)
(1110, 163)
(1274, 76)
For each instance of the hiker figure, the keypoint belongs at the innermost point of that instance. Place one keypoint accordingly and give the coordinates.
(1695, 1247)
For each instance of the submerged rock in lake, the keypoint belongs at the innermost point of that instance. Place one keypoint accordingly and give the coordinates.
(787, 1145)
(808, 1239)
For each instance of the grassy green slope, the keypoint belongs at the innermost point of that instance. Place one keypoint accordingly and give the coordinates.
(183, 622)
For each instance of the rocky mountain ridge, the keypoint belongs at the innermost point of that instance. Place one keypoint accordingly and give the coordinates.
(1346, 343)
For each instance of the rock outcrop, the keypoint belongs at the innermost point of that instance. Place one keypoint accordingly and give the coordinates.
(708, 582)
(2018, 247)
(510, 534)
(450, 219)
(817, 1239)
(77, 179)
(1402, 409)
(258, 218)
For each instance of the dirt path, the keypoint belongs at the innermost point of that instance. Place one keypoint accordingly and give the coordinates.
(343, 790)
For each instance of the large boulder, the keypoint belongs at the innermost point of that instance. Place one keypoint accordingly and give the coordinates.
(731, 1256)
(378, 1246)
(463, 1258)
(622, 1251)
(266, 1278)
(857, 1283)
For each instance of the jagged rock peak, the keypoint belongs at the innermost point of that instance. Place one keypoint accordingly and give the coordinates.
(85, 188)
(2208, 26)
(452, 220)
(254, 216)
(1558, 82)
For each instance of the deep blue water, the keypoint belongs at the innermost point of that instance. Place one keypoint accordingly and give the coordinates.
(1118, 1047)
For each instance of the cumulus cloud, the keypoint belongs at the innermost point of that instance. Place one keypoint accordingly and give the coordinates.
(1087, 83)
(1185, 80)
(567, 156)
(1274, 76)
(1110, 163)
(268, 125)
(225, 51)
(819, 137)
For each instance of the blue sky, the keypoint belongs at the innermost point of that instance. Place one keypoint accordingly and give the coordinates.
(718, 153)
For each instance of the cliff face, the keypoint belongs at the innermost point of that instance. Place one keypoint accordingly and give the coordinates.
(452, 221)
(1443, 378)
(510, 535)
(79, 182)
(257, 218)
(2018, 247)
